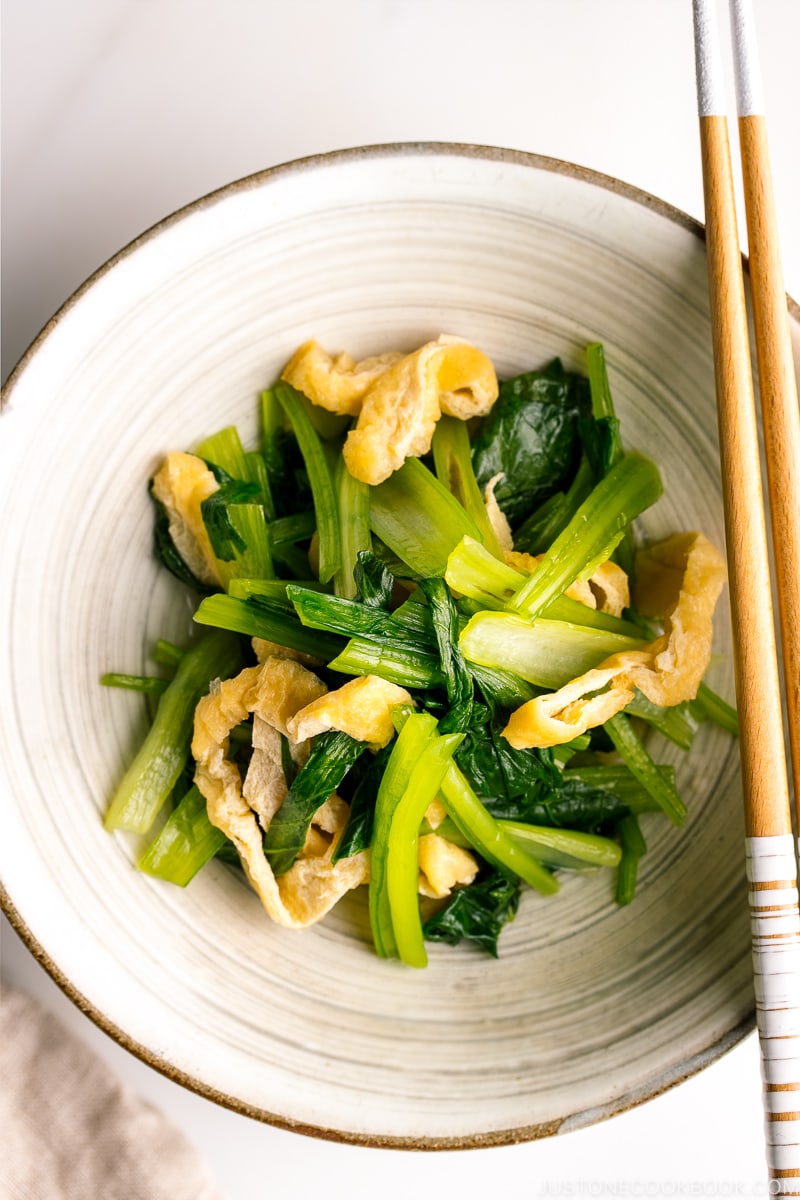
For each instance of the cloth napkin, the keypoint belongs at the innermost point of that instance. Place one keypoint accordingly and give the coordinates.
(69, 1130)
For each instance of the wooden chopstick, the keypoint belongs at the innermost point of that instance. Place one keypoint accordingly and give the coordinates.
(770, 857)
(776, 377)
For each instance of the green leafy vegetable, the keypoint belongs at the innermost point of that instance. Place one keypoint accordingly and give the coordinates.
(631, 486)
(457, 679)
(325, 503)
(357, 834)
(531, 437)
(418, 519)
(476, 913)
(641, 765)
(151, 684)
(331, 757)
(158, 764)
(374, 581)
(187, 841)
(260, 617)
(225, 538)
(633, 847)
(452, 457)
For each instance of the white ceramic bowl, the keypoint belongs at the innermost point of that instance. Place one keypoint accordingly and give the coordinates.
(589, 1008)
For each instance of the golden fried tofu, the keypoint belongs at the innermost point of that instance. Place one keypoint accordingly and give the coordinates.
(667, 671)
(311, 887)
(443, 865)
(400, 410)
(362, 708)
(181, 484)
(398, 398)
(335, 383)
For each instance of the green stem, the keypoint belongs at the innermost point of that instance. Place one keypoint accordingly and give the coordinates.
(592, 534)
(472, 571)
(708, 706)
(167, 654)
(412, 740)
(264, 619)
(157, 767)
(319, 477)
(545, 653)
(641, 765)
(452, 458)
(542, 527)
(633, 847)
(487, 836)
(418, 518)
(148, 684)
(354, 532)
(185, 844)
(567, 848)
(402, 860)
(398, 664)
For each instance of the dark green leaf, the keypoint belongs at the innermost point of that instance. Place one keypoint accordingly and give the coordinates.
(574, 805)
(332, 756)
(458, 680)
(374, 581)
(357, 833)
(505, 779)
(601, 444)
(477, 913)
(224, 537)
(531, 437)
(545, 523)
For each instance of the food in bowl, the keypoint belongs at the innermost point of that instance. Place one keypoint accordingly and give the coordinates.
(453, 638)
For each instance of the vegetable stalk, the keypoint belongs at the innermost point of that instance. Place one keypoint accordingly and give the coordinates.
(156, 768)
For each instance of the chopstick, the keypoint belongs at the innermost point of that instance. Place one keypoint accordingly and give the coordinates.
(776, 377)
(769, 842)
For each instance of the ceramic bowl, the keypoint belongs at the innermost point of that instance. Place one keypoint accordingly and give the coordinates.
(589, 1008)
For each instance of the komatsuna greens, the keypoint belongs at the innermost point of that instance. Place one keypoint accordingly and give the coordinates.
(431, 650)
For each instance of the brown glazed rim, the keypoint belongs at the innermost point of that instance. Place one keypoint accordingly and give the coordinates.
(476, 1141)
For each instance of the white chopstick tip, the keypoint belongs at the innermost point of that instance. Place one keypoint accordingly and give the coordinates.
(749, 88)
(708, 60)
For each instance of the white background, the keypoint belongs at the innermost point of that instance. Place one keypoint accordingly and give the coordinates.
(116, 112)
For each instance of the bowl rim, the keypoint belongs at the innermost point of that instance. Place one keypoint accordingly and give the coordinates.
(524, 1133)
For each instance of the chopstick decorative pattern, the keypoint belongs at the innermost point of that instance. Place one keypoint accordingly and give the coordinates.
(770, 858)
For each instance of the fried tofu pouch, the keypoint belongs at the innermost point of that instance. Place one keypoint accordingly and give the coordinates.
(397, 398)
(181, 484)
(286, 699)
(680, 580)
(273, 692)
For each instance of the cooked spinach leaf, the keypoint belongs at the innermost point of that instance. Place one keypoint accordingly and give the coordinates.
(574, 805)
(457, 679)
(374, 581)
(477, 913)
(504, 777)
(531, 436)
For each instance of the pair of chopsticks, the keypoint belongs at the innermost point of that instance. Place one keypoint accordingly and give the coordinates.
(770, 846)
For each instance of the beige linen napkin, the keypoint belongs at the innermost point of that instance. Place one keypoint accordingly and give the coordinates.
(69, 1130)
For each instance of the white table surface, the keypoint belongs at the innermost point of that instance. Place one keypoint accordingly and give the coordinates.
(116, 112)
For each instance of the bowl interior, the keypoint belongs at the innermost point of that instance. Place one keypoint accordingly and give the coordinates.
(589, 1008)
